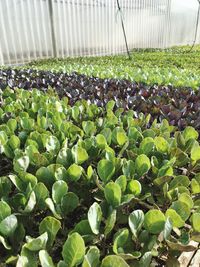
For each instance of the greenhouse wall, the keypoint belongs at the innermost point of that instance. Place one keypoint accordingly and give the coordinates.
(37, 29)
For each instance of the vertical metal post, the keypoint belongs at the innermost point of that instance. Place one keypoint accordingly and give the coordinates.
(122, 23)
(50, 4)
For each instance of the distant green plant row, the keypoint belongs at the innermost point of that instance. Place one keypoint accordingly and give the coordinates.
(174, 66)
(90, 186)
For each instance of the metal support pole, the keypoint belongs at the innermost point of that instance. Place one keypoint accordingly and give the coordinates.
(196, 28)
(123, 29)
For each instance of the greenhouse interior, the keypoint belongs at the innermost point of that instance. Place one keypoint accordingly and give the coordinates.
(100, 133)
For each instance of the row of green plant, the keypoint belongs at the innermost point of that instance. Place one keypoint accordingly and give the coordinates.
(92, 187)
(180, 106)
(166, 67)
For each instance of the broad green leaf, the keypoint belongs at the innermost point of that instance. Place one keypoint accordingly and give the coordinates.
(79, 154)
(64, 157)
(61, 174)
(110, 222)
(148, 133)
(17, 182)
(154, 221)
(190, 144)
(19, 234)
(18, 201)
(182, 209)
(50, 204)
(197, 177)
(101, 141)
(95, 217)
(145, 260)
(113, 261)
(41, 159)
(180, 140)
(167, 228)
(195, 186)
(161, 144)
(105, 169)
(31, 152)
(27, 258)
(89, 127)
(14, 142)
(119, 136)
(21, 164)
(162, 180)
(128, 168)
(195, 236)
(173, 194)
(180, 180)
(195, 219)
(142, 164)
(134, 187)
(5, 186)
(41, 193)
(74, 172)
(8, 225)
(51, 226)
(30, 142)
(3, 138)
(120, 240)
(27, 123)
(69, 202)
(112, 194)
(109, 153)
(135, 221)
(184, 197)
(122, 182)
(31, 203)
(195, 153)
(83, 228)
(52, 144)
(147, 145)
(107, 133)
(59, 189)
(28, 178)
(36, 244)
(42, 122)
(165, 171)
(91, 259)
(12, 124)
(190, 133)
(73, 250)
(62, 264)
(134, 133)
(7, 150)
(110, 105)
(176, 219)
(182, 158)
(5, 210)
(45, 259)
(90, 172)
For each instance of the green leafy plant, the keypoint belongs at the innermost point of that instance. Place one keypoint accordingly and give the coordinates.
(93, 186)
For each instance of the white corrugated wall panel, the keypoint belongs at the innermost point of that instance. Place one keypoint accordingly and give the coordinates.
(34, 29)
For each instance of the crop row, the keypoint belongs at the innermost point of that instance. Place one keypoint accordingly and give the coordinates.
(94, 186)
(174, 67)
(180, 106)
